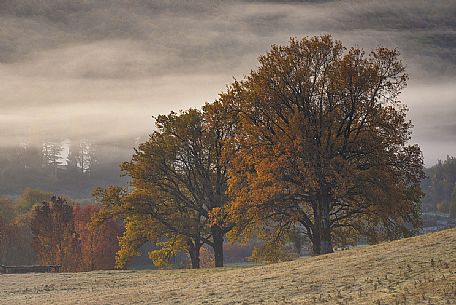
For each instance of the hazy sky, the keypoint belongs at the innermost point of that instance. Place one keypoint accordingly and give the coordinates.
(102, 69)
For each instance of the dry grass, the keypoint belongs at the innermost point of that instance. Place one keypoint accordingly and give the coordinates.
(420, 270)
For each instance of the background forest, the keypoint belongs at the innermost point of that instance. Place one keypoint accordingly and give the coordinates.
(31, 175)
(72, 168)
(439, 187)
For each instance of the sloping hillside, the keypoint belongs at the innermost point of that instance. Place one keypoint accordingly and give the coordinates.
(419, 270)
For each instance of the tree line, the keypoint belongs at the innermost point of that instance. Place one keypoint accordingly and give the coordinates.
(312, 146)
(39, 228)
(67, 167)
(440, 187)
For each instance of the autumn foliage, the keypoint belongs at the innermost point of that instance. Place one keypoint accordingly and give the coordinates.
(62, 235)
(314, 143)
(321, 146)
(54, 237)
(5, 237)
(178, 194)
(99, 243)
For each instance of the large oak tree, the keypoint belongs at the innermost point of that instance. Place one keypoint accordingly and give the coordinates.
(322, 144)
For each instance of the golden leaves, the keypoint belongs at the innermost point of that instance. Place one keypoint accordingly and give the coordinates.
(318, 126)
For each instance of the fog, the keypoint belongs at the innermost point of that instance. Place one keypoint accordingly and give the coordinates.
(101, 69)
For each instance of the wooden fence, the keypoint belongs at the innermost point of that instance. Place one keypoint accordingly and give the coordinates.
(28, 269)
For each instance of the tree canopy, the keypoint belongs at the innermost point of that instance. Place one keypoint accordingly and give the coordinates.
(322, 145)
(314, 142)
(178, 195)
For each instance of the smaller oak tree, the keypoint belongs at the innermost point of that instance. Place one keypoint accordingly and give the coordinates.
(178, 190)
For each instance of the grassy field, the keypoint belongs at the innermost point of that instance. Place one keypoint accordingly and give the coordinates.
(419, 270)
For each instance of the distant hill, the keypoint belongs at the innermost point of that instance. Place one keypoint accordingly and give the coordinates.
(418, 270)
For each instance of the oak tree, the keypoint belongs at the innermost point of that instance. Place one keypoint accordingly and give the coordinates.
(322, 145)
(178, 196)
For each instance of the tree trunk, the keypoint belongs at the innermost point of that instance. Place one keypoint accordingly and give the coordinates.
(194, 252)
(321, 239)
(316, 231)
(195, 261)
(217, 235)
(316, 243)
(325, 226)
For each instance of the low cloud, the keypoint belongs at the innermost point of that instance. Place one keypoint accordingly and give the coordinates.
(102, 69)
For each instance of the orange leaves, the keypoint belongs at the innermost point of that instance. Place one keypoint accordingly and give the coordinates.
(62, 235)
(99, 242)
(312, 140)
(321, 139)
(179, 179)
(54, 237)
(216, 217)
